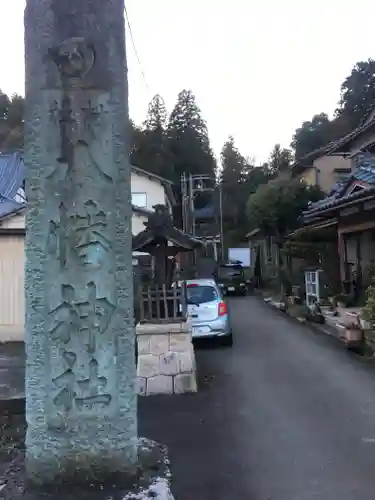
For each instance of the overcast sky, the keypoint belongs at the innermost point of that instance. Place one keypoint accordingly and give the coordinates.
(258, 68)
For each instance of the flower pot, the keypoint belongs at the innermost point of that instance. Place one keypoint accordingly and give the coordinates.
(353, 336)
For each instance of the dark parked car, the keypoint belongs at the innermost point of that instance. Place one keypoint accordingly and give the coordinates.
(231, 278)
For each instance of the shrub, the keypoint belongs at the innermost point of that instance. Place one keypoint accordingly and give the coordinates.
(369, 308)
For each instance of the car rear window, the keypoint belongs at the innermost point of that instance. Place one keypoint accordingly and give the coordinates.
(230, 272)
(201, 294)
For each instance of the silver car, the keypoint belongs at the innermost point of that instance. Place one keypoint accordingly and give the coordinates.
(208, 311)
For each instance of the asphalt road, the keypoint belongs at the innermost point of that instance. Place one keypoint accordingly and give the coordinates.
(286, 414)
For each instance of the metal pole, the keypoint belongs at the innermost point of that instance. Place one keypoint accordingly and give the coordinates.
(191, 200)
(221, 220)
(184, 201)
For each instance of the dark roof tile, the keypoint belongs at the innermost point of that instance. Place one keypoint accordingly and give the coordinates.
(12, 175)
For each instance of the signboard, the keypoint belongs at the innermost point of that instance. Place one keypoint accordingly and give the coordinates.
(240, 254)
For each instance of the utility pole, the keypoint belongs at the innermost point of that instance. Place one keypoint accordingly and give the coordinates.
(221, 220)
(184, 195)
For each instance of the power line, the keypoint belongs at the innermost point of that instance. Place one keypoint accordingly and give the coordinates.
(135, 48)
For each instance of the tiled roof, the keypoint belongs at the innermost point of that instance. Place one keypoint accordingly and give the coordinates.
(8, 207)
(12, 175)
(364, 173)
(362, 128)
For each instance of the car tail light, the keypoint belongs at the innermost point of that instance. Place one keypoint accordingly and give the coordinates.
(191, 285)
(222, 309)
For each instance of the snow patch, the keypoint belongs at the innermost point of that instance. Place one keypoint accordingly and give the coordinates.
(158, 490)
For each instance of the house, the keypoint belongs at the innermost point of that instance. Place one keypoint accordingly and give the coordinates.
(328, 165)
(264, 255)
(348, 215)
(360, 140)
(322, 167)
(147, 190)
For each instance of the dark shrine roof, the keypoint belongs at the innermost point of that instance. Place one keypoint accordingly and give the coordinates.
(159, 228)
(363, 176)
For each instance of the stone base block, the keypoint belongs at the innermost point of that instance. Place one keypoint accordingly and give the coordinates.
(152, 480)
(166, 359)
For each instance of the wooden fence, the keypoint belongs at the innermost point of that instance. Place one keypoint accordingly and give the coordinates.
(163, 305)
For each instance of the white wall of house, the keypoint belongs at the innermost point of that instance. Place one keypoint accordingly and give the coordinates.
(138, 221)
(147, 192)
(17, 221)
(12, 278)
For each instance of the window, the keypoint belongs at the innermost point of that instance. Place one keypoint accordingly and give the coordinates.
(355, 189)
(201, 294)
(139, 200)
(230, 272)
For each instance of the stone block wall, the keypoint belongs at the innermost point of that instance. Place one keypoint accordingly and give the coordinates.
(166, 360)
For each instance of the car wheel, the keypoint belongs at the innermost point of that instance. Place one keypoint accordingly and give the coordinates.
(227, 341)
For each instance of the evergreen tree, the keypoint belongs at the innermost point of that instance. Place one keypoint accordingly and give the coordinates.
(358, 93)
(312, 135)
(150, 143)
(280, 160)
(157, 115)
(188, 138)
(239, 179)
(11, 122)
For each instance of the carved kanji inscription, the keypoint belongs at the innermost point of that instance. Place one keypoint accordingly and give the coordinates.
(66, 316)
(90, 316)
(92, 389)
(91, 240)
(96, 315)
(83, 235)
(65, 383)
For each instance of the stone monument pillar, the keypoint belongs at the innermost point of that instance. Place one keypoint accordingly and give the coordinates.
(80, 375)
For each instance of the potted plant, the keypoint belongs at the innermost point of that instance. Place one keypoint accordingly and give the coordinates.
(354, 335)
(343, 301)
(365, 320)
(332, 300)
(368, 311)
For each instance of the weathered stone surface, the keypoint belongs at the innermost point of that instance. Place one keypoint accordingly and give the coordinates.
(179, 342)
(144, 344)
(161, 384)
(165, 356)
(185, 382)
(160, 329)
(159, 344)
(186, 362)
(169, 363)
(141, 386)
(81, 403)
(148, 365)
(152, 481)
